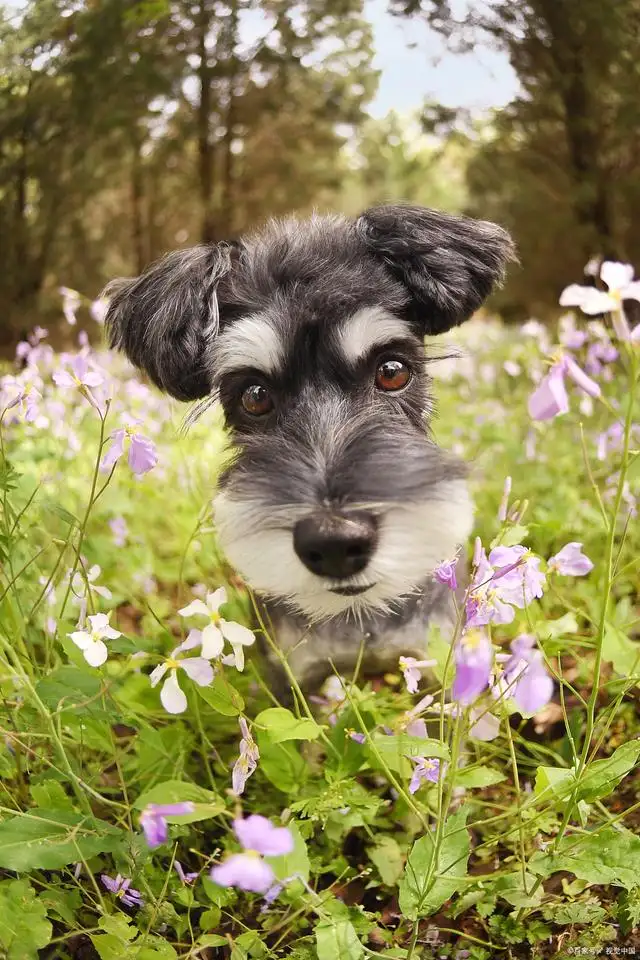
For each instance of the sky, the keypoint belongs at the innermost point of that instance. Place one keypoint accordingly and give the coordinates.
(415, 65)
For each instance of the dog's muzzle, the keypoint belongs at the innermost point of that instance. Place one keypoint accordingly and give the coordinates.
(336, 546)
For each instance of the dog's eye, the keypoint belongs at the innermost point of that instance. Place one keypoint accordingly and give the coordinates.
(256, 400)
(392, 375)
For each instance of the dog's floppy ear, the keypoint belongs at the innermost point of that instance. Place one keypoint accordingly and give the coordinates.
(165, 319)
(448, 264)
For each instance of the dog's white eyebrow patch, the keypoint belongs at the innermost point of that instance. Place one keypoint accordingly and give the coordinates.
(367, 329)
(249, 342)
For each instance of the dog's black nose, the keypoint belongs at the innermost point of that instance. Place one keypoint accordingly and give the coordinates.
(335, 546)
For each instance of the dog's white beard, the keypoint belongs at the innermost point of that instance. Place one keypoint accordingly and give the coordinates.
(412, 541)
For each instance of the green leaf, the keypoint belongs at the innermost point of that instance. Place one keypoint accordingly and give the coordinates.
(207, 803)
(338, 940)
(280, 724)
(622, 652)
(50, 506)
(554, 629)
(554, 780)
(565, 914)
(50, 839)
(61, 902)
(24, 928)
(426, 884)
(511, 536)
(607, 856)
(387, 857)
(282, 765)
(50, 794)
(71, 688)
(510, 888)
(600, 779)
(222, 696)
(478, 777)
(439, 649)
(603, 776)
(212, 940)
(395, 750)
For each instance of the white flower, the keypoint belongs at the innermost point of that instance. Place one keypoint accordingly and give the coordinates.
(79, 587)
(618, 277)
(91, 642)
(219, 630)
(199, 669)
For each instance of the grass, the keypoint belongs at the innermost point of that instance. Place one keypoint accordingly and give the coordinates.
(526, 846)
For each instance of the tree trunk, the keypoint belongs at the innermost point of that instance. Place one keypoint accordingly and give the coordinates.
(205, 146)
(137, 201)
(227, 198)
(569, 51)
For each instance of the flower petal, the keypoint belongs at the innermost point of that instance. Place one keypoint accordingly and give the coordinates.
(258, 833)
(195, 607)
(216, 599)
(199, 669)
(81, 638)
(236, 634)
(171, 696)
(212, 641)
(615, 274)
(96, 653)
(631, 291)
(550, 399)
(245, 872)
(157, 674)
(599, 302)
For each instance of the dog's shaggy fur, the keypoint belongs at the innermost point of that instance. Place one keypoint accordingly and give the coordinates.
(338, 505)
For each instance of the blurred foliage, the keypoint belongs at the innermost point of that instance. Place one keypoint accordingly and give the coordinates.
(130, 127)
(559, 165)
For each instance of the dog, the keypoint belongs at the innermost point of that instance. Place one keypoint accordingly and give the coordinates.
(338, 505)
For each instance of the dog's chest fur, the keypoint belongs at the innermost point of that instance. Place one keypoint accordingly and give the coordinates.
(313, 650)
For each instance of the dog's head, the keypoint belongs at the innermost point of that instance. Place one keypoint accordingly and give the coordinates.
(312, 335)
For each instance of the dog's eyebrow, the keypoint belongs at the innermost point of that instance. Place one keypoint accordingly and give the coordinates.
(250, 342)
(370, 327)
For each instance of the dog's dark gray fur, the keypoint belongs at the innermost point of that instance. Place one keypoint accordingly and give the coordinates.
(338, 504)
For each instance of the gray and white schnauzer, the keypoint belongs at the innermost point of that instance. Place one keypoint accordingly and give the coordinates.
(338, 505)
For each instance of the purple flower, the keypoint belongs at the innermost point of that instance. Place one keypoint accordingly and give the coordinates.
(259, 834)
(154, 824)
(550, 398)
(122, 889)
(517, 576)
(248, 871)
(411, 671)
(142, 451)
(427, 770)
(600, 352)
(446, 573)
(484, 602)
(119, 529)
(245, 871)
(357, 737)
(80, 375)
(71, 300)
(98, 309)
(529, 683)
(186, 878)
(571, 561)
(473, 656)
(484, 726)
(247, 761)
